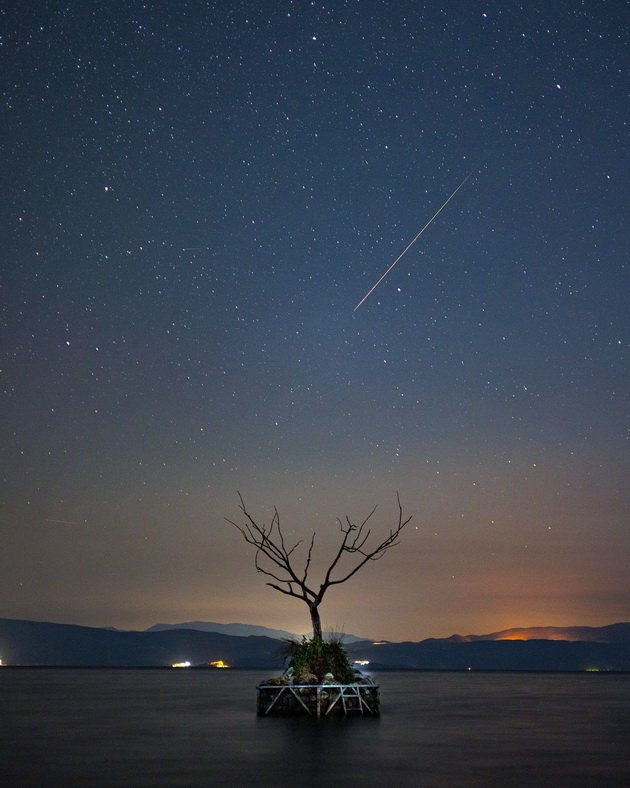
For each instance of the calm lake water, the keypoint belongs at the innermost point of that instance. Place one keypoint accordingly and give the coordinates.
(199, 728)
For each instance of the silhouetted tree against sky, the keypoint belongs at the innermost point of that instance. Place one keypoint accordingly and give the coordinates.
(277, 561)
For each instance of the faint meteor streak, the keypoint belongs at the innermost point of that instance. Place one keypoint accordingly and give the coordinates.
(411, 243)
(65, 522)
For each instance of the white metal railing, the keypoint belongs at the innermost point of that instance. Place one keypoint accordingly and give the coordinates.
(321, 699)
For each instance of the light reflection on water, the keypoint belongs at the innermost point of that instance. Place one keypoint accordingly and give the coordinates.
(199, 727)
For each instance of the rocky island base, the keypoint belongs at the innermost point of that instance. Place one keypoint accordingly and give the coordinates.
(318, 700)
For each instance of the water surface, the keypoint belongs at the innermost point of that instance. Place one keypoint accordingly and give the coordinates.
(199, 727)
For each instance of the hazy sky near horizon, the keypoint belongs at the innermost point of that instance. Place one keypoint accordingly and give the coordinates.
(196, 196)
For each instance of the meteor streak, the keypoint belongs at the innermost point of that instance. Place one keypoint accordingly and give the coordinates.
(411, 243)
(65, 522)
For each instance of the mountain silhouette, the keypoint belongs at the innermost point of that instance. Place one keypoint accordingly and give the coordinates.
(39, 643)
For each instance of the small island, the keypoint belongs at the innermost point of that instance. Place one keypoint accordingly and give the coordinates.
(319, 679)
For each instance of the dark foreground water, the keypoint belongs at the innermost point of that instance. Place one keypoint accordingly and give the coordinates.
(199, 728)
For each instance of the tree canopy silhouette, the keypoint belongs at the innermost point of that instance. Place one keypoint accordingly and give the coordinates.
(276, 560)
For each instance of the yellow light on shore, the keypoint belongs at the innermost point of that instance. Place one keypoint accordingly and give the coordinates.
(219, 663)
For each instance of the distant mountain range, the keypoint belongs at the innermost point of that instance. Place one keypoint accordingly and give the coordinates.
(39, 643)
(614, 633)
(564, 648)
(536, 648)
(240, 630)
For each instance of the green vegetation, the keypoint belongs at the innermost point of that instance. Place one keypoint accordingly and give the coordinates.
(311, 659)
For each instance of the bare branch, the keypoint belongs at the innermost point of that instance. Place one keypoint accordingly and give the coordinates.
(270, 545)
(357, 545)
(269, 541)
(345, 547)
(308, 559)
(290, 591)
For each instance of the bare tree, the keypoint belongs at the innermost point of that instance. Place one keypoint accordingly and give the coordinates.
(278, 559)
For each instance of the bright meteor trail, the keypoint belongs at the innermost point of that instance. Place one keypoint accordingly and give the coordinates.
(411, 243)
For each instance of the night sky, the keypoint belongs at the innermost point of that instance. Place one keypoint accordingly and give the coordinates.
(195, 197)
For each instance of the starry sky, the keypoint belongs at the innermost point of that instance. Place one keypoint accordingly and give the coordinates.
(196, 195)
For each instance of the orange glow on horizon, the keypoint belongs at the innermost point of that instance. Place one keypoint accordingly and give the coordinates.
(524, 635)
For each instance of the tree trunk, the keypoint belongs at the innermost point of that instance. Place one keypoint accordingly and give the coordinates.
(316, 622)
